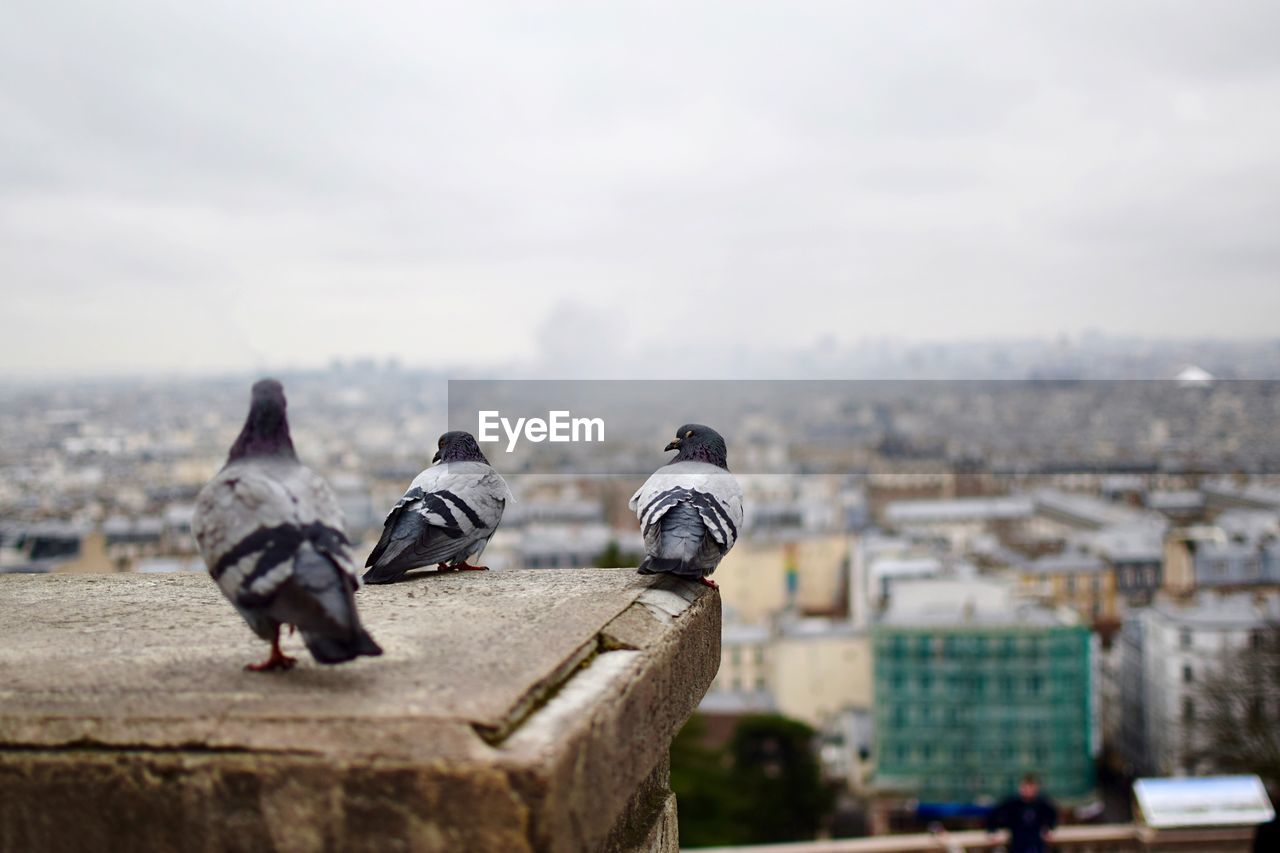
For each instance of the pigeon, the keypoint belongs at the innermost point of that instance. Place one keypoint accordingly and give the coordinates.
(689, 509)
(271, 533)
(450, 512)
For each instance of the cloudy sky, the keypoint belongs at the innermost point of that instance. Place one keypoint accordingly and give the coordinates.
(214, 186)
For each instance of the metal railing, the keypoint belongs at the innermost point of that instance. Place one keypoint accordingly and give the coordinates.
(1075, 839)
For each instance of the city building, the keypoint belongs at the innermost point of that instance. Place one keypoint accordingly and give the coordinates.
(1075, 579)
(1136, 554)
(809, 669)
(820, 668)
(1242, 553)
(1167, 650)
(974, 688)
(956, 520)
(766, 576)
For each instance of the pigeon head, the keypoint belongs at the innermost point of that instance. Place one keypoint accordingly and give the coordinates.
(458, 446)
(698, 443)
(266, 430)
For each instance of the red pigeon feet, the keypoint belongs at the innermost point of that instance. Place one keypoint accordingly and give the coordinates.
(276, 660)
(708, 582)
(467, 567)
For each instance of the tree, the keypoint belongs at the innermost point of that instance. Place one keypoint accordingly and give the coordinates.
(613, 557)
(765, 786)
(777, 773)
(1237, 725)
(705, 798)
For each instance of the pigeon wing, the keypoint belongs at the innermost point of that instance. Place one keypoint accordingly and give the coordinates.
(252, 518)
(711, 490)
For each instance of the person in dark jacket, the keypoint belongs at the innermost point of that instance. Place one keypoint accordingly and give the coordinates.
(1029, 817)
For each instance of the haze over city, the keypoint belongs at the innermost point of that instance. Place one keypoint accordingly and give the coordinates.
(234, 188)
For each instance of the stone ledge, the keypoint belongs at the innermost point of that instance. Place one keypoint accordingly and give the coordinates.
(512, 711)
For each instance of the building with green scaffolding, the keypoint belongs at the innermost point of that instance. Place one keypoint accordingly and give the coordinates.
(973, 689)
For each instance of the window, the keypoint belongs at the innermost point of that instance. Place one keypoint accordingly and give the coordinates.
(759, 684)
(1187, 675)
(1184, 638)
(735, 655)
(759, 655)
(1188, 710)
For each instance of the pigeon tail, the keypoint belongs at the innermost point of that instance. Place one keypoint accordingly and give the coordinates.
(670, 566)
(327, 649)
(384, 573)
(320, 600)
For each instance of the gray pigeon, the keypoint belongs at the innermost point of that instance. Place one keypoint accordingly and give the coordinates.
(271, 533)
(689, 509)
(449, 513)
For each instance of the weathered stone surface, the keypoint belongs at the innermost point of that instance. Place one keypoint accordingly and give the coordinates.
(648, 823)
(511, 711)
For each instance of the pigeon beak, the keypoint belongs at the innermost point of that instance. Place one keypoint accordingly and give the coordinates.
(436, 458)
(675, 445)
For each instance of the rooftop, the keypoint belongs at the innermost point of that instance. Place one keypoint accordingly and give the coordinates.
(1239, 610)
(1090, 511)
(1249, 524)
(964, 603)
(957, 510)
(1067, 561)
(1125, 542)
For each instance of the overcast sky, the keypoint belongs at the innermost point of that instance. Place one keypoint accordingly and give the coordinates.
(211, 186)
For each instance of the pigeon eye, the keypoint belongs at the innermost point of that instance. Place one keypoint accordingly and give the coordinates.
(689, 434)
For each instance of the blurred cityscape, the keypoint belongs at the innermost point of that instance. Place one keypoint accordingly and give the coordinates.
(944, 586)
